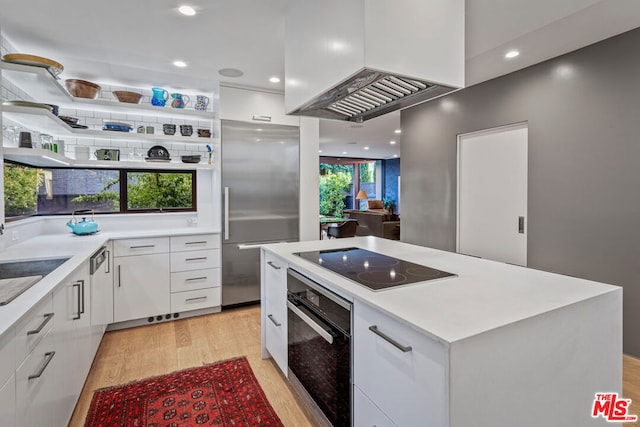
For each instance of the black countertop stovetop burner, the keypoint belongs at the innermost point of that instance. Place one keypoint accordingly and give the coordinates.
(371, 269)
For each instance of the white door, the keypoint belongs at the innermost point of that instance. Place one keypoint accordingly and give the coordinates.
(492, 194)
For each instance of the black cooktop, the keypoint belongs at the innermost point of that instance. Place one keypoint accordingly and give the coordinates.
(371, 269)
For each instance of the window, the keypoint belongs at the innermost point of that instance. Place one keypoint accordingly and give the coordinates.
(362, 174)
(33, 191)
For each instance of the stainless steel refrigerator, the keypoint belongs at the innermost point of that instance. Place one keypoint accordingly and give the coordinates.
(260, 170)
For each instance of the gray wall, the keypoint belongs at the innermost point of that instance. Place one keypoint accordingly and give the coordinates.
(583, 111)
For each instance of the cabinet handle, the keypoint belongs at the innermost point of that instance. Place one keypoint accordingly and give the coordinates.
(196, 259)
(48, 356)
(273, 265)
(82, 285)
(191, 279)
(275, 322)
(79, 296)
(108, 270)
(119, 281)
(201, 242)
(195, 299)
(390, 340)
(142, 246)
(37, 330)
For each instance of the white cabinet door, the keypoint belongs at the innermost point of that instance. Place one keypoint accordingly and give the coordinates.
(141, 287)
(72, 333)
(403, 372)
(366, 413)
(8, 403)
(254, 106)
(274, 315)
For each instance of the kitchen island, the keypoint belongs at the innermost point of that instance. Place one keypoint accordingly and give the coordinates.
(494, 345)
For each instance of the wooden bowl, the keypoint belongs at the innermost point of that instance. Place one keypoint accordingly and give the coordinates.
(82, 88)
(128, 97)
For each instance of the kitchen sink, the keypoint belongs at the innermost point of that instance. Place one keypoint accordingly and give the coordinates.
(18, 276)
(37, 267)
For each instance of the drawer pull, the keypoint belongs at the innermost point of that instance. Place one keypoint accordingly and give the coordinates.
(142, 246)
(275, 322)
(273, 265)
(37, 330)
(201, 242)
(390, 340)
(200, 258)
(48, 356)
(195, 299)
(191, 279)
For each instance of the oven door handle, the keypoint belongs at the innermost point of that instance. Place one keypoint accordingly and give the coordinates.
(313, 325)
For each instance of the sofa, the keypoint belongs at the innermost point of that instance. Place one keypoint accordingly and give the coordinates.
(375, 222)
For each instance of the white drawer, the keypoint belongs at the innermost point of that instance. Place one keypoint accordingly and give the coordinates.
(195, 260)
(194, 300)
(196, 279)
(195, 242)
(7, 355)
(275, 278)
(32, 327)
(128, 247)
(366, 414)
(406, 385)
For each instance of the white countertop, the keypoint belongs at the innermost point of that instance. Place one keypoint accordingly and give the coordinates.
(78, 249)
(485, 294)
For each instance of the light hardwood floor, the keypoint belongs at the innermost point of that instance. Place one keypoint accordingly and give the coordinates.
(137, 353)
(132, 354)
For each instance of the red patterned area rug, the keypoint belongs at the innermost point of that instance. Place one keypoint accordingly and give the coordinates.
(223, 394)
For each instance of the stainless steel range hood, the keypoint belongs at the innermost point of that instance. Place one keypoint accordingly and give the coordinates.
(358, 59)
(369, 94)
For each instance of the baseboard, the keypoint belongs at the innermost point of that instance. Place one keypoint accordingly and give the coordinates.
(152, 320)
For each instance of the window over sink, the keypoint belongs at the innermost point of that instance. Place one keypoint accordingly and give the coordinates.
(34, 191)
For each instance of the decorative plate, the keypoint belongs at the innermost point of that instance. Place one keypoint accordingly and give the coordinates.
(17, 103)
(54, 67)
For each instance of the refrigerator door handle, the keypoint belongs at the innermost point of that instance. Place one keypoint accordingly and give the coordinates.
(245, 246)
(226, 213)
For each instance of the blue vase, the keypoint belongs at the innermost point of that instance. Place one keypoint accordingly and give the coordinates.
(160, 97)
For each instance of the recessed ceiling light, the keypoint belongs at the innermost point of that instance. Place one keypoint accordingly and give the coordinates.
(274, 79)
(319, 151)
(258, 139)
(259, 129)
(180, 64)
(397, 131)
(230, 72)
(511, 54)
(392, 142)
(344, 152)
(187, 10)
(395, 155)
(366, 148)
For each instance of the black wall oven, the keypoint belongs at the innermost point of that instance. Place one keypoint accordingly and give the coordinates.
(319, 345)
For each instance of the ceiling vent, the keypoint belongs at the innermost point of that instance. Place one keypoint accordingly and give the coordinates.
(372, 56)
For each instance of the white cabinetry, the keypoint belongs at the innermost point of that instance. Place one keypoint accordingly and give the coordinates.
(8, 402)
(254, 106)
(402, 372)
(37, 386)
(274, 308)
(141, 284)
(72, 307)
(195, 272)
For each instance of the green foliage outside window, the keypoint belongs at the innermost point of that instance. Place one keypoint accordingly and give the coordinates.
(367, 172)
(109, 194)
(333, 189)
(153, 190)
(20, 190)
